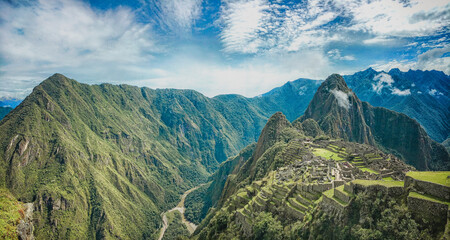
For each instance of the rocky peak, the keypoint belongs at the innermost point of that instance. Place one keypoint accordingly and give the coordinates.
(335, 82)
(270, 133)
(338, 111)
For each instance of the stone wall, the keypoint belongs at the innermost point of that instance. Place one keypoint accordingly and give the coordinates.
(433, 189)
(392, 191)
(433, 212)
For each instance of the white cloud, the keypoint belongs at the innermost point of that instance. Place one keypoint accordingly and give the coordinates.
(251, 78)
(399, 92)
(251, 26)
(430, 60)
(243, 23)
(342, 98)
(379, 40)
(176, 15)
(434, 92)
(398, 18)
(67, 36)
(336, 54)
(382, 80)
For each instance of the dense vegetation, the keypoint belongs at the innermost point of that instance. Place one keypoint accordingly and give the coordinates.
(195, 205)
(372, 216)
(252, 206)
(11, 211)
(176, 228)
(93, 158)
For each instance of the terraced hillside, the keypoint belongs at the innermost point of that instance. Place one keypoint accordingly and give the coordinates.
(320, 188)
(327, 188)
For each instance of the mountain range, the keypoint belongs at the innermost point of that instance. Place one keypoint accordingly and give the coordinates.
(422, 95)
(92, 158)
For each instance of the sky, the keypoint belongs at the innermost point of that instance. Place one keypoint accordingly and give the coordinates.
(245, 47)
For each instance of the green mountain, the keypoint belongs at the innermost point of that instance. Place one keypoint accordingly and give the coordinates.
(294, 186)
(90, 158)
(340, 114)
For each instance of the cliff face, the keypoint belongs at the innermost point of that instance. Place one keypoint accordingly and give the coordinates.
(340, 114)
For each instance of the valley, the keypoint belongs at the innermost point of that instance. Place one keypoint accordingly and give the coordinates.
(92, 158)
(180, 208)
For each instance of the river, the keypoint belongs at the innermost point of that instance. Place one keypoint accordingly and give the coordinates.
(180, 207)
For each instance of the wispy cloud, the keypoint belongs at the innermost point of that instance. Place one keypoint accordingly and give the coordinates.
(261, 25)
(175, 16)
(67, 36)
(432, 59)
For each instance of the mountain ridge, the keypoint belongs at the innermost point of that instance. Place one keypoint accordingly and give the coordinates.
(341, 114)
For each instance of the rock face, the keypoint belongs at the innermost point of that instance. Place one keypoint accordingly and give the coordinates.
(25, 227)
(340, 114)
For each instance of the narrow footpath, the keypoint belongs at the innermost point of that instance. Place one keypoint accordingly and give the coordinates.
(180, 207)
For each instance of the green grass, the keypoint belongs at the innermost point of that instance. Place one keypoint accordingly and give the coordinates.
(329, 193)
(368, 170)
(321, 152)
(243, 195)
(341, 189)
(10, 214)
(426, 197)
(388, 179)
(434, 177)
(176, 228)
(379, 182)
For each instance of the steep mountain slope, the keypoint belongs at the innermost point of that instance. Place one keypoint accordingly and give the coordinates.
(340, 114)
(321, 188)
(90, 158)
(422, 95)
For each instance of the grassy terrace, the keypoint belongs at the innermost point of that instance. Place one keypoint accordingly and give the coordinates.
(434, 177)
(379, 182)
(243, 195)
(321, 152)
(426, 197)
(368, 170)
(341, 189)
(330, 194)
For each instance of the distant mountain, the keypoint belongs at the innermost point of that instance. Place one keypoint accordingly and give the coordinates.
(10, 102)
(422, 95)
(340, 114)
(4, 111)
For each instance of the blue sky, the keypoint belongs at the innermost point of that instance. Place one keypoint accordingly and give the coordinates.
(234, 46)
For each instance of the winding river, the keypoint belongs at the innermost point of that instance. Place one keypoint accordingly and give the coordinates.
(180, 207)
